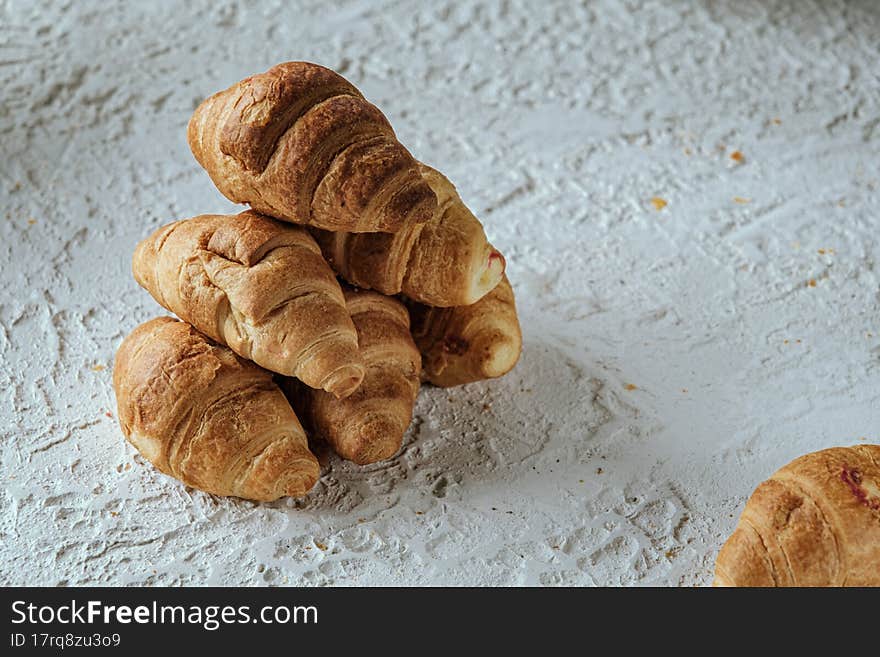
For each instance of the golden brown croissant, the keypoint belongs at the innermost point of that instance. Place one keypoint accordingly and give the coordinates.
(201, 414)
(445, 262)
(260, 287)
(368, 426)
(468, 343)
(300, 143)
(815, 522)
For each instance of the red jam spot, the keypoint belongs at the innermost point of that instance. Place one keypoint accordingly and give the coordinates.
(853, 479)
(495, 255)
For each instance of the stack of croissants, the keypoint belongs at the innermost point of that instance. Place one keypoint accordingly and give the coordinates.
(358, 273)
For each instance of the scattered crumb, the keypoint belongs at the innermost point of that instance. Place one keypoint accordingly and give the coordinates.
(737, 156)
(630, 386)
(797, 341)
(580, 481)
(109, 414)
(658, 203)
(684, 390)
(599, 471)
(31, 221)
(670, 553)
(487, 408)
(812, 282)
(362, 520)
(127, 466)
(741, 200)
(418, 513)
(320, 546)
(841, 203)
(785, 342)
(114, 513)
(777, 121)
(688, 152)
(554, 547)
(98, 368)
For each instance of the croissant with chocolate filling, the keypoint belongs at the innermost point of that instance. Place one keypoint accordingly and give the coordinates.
(260, 287)
(201, 414)
(468, 343)
(815, 522)
(300, 143)
(445, 262)
(368, 425)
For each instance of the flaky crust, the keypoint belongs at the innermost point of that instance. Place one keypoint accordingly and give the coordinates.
(445, 262)
(468, 343)
(368, 426)
(203, 415)
(300, 143)
(815, 522)
(260, 287)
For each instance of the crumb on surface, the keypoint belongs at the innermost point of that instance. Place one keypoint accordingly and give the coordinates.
(658, 203)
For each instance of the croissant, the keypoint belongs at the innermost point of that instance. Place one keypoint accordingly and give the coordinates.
(260, 287)
(300, 143)
(368, 426)
(201, 414)
(445, 262)
(815, 522)
(468, 343)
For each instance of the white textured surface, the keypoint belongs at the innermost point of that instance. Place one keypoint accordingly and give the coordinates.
(558, 124)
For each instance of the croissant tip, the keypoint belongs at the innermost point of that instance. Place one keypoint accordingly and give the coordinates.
(344, 381)
(304, 474)
(490, 277)
(377, 440)
(501, 356)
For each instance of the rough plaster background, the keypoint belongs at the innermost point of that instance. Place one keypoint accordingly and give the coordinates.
(674, 358)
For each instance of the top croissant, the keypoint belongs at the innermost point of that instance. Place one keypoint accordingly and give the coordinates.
(300, 143)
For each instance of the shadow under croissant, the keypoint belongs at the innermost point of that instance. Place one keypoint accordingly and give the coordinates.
(468, 438)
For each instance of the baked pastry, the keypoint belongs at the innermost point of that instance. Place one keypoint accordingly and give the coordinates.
(260, 287)
(203, 415)
(468, 343)
(445, 262)
(300, 143)
(368, 425)
(815, 522)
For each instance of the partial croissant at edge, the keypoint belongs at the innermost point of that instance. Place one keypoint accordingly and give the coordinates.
(368, 425)
(468, 343)
(815, 522)
(259, 286)
(300, 143)
(207, 417)
(444, 262)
